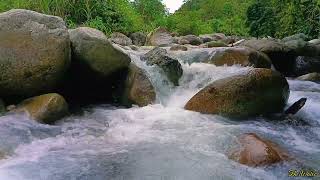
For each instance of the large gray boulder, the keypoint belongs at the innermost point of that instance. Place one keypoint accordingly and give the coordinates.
(91, 48)
(257, 92)
(171, 67)
(121, 39)
(159, 37)
(138, 38)
(34, 52)
(138, 89)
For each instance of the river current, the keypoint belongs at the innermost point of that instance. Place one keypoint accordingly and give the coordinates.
(157, 142)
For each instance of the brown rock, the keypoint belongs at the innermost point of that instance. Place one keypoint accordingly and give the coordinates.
(45, 108)
(159, 37)
(139, 89)
(237, 55)
(255, 151)
(258, 92)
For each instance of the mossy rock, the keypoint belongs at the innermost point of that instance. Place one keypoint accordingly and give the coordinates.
(92, 49)
(257, 92)
(139, 89)
(45, 109)
(34, 53)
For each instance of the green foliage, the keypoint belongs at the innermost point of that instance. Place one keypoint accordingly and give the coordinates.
(208, 16)
(281, 18)
(259, 18)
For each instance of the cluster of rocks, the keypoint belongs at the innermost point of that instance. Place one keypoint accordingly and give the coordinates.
(48, 65)
(43, 65)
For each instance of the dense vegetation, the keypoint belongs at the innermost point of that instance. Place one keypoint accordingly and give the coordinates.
(276, 18)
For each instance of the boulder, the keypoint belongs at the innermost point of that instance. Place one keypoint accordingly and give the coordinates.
(191, 39)
(46, 108)
(212, 44)
(239, 55)
(178, 47)
(139, 89)
(256, 92)
(315, 77)
(304, 65)
(92, 50)
(277, 51)
(120, 39)
(34, 53)
(98, 69)
(255, 151)
(171, 67)
(159, 37)
(138, 38)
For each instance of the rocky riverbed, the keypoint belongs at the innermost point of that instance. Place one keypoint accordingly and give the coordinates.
(76, 104)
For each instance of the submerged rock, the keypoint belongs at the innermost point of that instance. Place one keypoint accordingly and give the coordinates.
(178, 47)
(120, 39)
(138, 38)
(258, 92)
(255, 151)
(92, 50)
(171, 67)
(159, 37)
(237, 55)
(46, 108)
(139, 90)
(315, 77)
(34, 53)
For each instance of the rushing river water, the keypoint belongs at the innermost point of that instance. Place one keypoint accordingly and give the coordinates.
(158, 142)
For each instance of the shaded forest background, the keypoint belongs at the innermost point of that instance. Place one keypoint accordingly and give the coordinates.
(258, 18)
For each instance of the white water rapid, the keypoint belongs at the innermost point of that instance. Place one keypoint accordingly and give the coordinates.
(157, 142)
